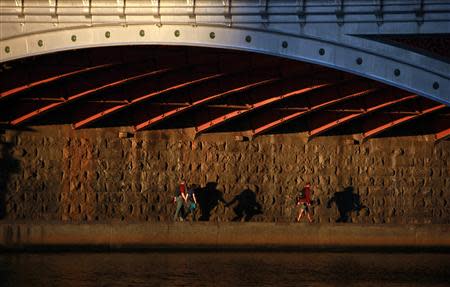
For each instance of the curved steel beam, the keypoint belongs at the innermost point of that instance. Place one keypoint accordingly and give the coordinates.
(394, 123)
(177, 111)
(322, 129)
(136, 101)
(318, 107)
(75, 97)
(443, 135)
(9, 93)
(391, 65)
(232, 115)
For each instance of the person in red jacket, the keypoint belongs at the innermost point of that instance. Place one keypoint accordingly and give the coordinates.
(304, 202)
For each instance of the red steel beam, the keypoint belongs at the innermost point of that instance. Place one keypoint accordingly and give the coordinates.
(180, 110)
(56, 105)
(399, 121)
(361, 110)
(336, 123)
(440, 136)
(286, 119)
(220, 120)
(174, 112)
(136, 101)
(17, 90)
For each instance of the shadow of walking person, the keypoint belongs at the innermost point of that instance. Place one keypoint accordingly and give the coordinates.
(346, 202)
(246, 207)
(8, 165)
(208, 198)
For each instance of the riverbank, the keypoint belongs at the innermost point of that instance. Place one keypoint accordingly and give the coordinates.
(220, 236)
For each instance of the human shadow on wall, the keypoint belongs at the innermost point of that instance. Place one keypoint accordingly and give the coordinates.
(346, 202)
(208, 198)
(8, 166)
(246, 207)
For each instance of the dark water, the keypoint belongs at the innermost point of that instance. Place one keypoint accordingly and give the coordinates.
(224, 269)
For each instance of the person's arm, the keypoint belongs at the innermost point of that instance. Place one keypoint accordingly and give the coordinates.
(184, 196)
(195, 199)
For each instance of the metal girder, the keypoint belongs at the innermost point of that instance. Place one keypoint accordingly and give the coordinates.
(355, 17)
(232, 115)
(371, 59)
(11, 92)
(332, 34)
(442, 135)
(286, 119)
(53, 106)
(206, 100)
(394, 123)
(139, 100)
(322, 129)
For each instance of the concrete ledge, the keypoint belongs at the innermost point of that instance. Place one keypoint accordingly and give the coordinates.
(219, 236)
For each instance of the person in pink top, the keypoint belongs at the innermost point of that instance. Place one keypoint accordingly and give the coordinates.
(304, 202)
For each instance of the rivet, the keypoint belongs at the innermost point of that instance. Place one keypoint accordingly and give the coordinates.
(107, 34)
(177, 33)
(321, 51)
(212, 35)
(435, 85)
(40, 43)
(248, 39)
(74, 38)
(397, 72)
(142, 33)
(7, 49)
(284, 44)
(359, 61)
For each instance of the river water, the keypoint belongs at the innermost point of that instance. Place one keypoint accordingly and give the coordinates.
(224, 269)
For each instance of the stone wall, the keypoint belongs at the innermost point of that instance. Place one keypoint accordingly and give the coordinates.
(57, 174)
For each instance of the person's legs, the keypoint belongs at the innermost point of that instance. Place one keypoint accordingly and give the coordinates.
(192, 210)
(179, 206)
(309, 216)
(193, 214)
(300, 214)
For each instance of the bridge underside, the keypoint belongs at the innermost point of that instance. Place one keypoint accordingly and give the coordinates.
(207, 91)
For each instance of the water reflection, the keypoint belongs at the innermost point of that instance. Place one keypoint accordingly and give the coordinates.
(224, 269)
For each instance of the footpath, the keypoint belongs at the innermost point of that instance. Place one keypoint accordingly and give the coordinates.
(36, 236)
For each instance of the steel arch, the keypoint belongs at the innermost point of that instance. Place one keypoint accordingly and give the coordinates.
(429, 77)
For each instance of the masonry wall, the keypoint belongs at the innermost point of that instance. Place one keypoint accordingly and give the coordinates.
(57, 174)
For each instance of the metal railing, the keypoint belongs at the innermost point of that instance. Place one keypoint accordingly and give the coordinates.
(239, 11)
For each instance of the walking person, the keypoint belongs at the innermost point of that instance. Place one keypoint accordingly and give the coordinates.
(304, 202)
(191, 200)
(178, 199)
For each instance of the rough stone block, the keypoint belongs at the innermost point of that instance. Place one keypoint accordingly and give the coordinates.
(100, 177)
